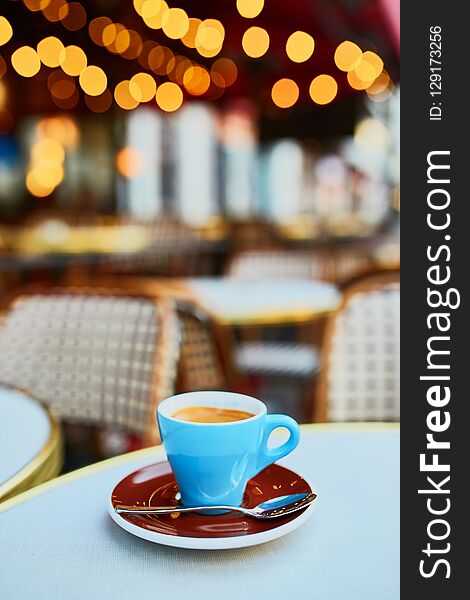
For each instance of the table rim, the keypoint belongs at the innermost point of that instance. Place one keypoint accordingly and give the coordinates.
(157, 451)
(41, 458)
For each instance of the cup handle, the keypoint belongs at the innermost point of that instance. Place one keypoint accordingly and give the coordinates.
(269, 455)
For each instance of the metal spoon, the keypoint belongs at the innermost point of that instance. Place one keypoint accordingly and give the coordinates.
(271, 509)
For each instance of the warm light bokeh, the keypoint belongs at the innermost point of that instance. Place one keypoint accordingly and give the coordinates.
(255, 42)
(323, 89)
(300, 46)
(169, 96)
(285, 93)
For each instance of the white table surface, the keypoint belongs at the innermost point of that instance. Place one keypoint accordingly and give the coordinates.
(238, 299)
(61, 544)
(24, 430)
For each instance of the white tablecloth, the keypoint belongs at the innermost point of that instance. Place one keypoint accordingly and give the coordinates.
(62, 545)
(239, 299)
(24, 430)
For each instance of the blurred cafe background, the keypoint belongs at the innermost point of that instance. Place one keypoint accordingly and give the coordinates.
(197, 195)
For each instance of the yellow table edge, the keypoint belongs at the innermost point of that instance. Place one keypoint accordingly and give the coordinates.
(45, 465)
(156, 451)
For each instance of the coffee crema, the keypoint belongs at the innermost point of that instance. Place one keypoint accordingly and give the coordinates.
(211, 414)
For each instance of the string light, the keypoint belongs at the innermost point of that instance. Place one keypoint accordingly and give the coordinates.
(123, 96)
(189, 38)
(169, 96)
(300, 46)
(26, 61)
(250, 8)
(285, 93)
(255, 42)
(142, 87)
(347, 55)
(323, 89)
(196, 80)
(175, 23)
(224, 72)
(210, 38)
(6, 31)
(73, 60)
(93, 80)
(49, 50)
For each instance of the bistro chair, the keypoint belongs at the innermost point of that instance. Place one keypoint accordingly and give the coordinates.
(100, 358)
(359, 379)
(169, 250)
(277, 353)
(279, 264)
(202, 363)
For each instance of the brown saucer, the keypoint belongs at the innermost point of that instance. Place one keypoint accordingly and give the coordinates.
(155, 485)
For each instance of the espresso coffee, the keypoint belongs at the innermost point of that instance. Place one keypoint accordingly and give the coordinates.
(211, 414)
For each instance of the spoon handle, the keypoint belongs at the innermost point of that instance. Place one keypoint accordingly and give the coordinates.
(166, 510)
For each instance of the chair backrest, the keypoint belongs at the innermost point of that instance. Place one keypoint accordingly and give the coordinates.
(279, 264)
(360, 375)
(96, 358)
(201, 366)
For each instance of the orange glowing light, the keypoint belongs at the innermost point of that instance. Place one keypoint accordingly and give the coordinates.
(169, 96)
(6, 31)
(175, 23)
(26, 61)
(250, 8)
(123, 96)
(347, 55)
(255, 42)
(93, 80)
(224, 72)
(73, 60)
(323, 89)
(285, 93)
(49, 50)
(300, 46)
(142, 87)
(130, 162)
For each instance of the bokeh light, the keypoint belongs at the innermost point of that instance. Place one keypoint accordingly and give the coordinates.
(175, 23)
(285, 93)
(255, 42)
(6, 31)
(169, 96)
(130, 162)
(224, 72)
(196, 80)
(101, 103)
(123, 96)
(93, 80)
(73, 60)
(72, 16)
(210, 38)
(152, 13)
(347, 55)
(300, 46)
(142, 87)
(96, 28)
(323, 89)
(26, 61)
(250, 8)
(53, 8)
(189, 38)
(49, 50)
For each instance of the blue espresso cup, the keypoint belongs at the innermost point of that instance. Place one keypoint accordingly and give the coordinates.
(213, 462)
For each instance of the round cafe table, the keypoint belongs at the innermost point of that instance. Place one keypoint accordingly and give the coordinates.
(232, 301)
(30, 443)
(58, 542)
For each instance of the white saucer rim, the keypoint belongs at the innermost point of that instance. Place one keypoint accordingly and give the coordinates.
(225, 543)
